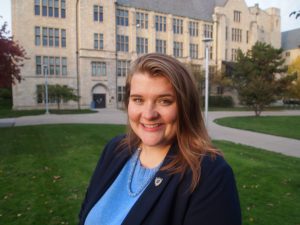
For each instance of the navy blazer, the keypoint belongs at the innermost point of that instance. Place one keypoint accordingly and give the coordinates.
(214, 201)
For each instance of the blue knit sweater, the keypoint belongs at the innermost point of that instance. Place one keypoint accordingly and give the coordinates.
(115, 204)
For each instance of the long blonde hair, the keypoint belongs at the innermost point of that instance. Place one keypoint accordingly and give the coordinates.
(192, 137)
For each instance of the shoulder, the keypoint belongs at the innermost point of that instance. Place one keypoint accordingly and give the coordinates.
(111, 149)
(114, 142)
(214, 165)
(215, 200)
(216, 173)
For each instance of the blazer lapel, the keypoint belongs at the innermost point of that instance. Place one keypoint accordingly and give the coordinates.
(106, 177)
(151, 194)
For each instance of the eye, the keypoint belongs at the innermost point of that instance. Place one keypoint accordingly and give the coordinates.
(165, 101)
(137, 100)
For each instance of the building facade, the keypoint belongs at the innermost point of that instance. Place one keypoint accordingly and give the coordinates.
(290, 44)
(88, 45)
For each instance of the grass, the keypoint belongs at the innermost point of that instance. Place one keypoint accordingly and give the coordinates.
(285, 126)
(6, 111)
(44, 172)
(268, 184)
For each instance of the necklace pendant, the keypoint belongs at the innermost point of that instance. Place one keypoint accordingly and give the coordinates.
(157, 181)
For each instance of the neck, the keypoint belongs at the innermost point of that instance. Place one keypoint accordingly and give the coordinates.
(152, 156)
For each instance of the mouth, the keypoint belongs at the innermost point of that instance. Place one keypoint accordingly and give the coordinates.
(151, 126)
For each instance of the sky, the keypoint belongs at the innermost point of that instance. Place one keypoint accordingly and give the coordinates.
(285, 6)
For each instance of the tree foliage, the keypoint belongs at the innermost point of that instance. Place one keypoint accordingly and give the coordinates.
(294, 89)
(57, 93)
(11, 58)
(254, 76)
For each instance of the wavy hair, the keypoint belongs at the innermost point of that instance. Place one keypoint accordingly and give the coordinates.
(192, 137)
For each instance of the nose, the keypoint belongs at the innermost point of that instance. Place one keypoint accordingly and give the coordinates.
(150, 112)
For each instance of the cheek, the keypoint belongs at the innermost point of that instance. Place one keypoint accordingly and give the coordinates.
(132, 112)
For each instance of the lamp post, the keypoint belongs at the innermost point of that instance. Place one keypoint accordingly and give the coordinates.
(45, 68)
(206, 42)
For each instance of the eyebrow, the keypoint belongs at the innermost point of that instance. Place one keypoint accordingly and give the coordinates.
(159, 96)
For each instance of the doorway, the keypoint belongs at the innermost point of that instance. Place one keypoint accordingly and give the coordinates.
(99, 100)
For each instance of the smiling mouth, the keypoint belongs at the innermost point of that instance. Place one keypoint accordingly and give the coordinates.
(151, 125)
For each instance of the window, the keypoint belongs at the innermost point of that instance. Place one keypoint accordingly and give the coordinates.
(210, 52)
(233, 54)
(98, 69)
(220, 90)
(98, 41)
(63, 8)
(287, 54)
(123, 68)
(57, 66)
(98, 13)
(141, 45)
(38, 65)
(50, 37)
(161, 23)
(122, 43)
(226, 54)
(236, 35)
(45, 36)
(122, 17)
(45, 63)
(121, 93)
(40, 90)
(236, 16)
(40, 93)
(44, 7)
(196, 68)
(141, 20)
(193, 28)
(161, 46)
(63, 38)
(208, 30)
(37, 7)
(53, 65)
(64, 70)
(37, 31)
(194, 51)
(177, 26)
(212, 71)
(247, 36)
(178, 49)
(50, 8)
(56, 8)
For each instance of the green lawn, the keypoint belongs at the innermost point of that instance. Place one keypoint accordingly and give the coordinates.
(44, 171)
(285, 126)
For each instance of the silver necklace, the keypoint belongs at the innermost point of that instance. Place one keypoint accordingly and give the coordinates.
(133, 165)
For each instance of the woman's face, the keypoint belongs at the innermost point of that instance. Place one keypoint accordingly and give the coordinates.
(152, 110)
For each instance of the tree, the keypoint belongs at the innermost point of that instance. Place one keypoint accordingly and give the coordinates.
(255, 76)
(57, 93)
(198, 74)
(294, 89)
(11, 58)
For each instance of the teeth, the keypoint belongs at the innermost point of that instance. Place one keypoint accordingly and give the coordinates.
(151, 125)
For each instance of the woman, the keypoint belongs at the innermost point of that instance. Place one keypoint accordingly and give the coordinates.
(165, 171)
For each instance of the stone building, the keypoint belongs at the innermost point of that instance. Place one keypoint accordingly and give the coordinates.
(290, 43)
(88, 45)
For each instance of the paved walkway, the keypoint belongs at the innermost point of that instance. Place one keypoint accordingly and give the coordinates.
(282, 145)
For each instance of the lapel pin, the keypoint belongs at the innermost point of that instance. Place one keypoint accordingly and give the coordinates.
(158, 181)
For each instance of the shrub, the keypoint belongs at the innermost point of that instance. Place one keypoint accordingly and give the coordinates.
(219, 101)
